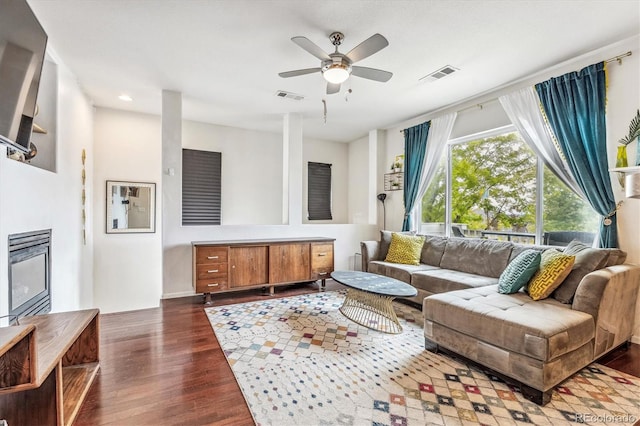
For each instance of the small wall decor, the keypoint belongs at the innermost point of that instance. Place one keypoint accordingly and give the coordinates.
(131, 207)
(633, 136)
(84, 199)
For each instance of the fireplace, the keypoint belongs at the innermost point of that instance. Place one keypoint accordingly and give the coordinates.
(29, 274)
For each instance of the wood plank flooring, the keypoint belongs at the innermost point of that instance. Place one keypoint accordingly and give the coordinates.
(164, 366)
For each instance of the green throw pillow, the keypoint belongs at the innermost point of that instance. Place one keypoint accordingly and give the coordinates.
(518, 273)
(405, 249)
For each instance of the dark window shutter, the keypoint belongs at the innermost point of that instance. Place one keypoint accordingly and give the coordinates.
(201, 201)
(319, 191)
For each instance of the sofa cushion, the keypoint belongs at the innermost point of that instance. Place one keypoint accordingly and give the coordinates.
(519, 248)
(437, 280)
(519, 271)
(396, 270)
(541, 330)
(554, 268)
(588, 259)
(405, 249)
(432, 250)
(475, 256)
(385, 242)
(616, 257)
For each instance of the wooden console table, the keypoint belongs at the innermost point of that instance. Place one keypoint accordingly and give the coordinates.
(47, 365)
(231, 265)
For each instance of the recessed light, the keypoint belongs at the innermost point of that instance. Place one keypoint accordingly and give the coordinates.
(125, 98)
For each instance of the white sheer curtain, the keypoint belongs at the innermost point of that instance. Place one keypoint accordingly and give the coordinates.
(523, 109)
(436, 141)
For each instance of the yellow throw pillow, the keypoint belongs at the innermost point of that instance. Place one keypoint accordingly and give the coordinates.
(405, 249)
(554, 268)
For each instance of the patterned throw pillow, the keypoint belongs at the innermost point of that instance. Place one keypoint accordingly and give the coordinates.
(518, 273)
(554, 268)
(405, 249)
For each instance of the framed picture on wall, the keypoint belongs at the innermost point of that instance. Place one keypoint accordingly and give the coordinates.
(131, 207)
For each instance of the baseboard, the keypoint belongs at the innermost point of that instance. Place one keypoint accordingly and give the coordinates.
(178, 294)
(635, 339)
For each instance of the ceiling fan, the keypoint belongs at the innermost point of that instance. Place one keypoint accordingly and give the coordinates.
(337, 67)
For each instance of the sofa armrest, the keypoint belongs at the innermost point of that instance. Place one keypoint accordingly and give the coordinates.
(370, 251)
(609, 295)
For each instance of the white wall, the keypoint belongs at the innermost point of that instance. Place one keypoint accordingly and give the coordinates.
(251, 170)
(358, 181)
(336, 154)
(127, 267)
(33, 199)
(247, 158)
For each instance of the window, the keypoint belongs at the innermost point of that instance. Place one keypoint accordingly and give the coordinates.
(319, 191)
(201, 182)
(494, 192)
(494, 187)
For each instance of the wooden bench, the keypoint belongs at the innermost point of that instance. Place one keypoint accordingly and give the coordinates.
(47, 365)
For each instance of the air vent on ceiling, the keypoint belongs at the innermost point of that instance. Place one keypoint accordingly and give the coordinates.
(438, 74)
(289, 95)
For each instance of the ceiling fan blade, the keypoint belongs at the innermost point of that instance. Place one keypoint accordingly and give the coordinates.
(367, 48)
(332, 88)
(295, 73)
(311, 47)
(371, 73)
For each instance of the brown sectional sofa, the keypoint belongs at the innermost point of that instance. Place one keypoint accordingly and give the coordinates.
(535, 343)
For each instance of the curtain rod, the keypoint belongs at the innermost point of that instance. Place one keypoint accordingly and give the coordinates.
(618, 58)
(614, 59)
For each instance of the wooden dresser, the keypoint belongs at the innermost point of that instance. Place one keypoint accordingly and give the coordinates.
(232, 265)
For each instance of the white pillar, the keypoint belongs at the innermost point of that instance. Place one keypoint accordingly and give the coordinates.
(292, 169)
(171, 168)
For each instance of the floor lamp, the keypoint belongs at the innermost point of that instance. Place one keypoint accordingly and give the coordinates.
(382, 196)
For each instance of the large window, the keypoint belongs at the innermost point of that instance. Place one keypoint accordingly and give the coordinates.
(494, 192)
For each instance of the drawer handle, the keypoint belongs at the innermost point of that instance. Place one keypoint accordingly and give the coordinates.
(322, 273)
(212, 257)
(211, 271)
(213, 285)
(322, 254)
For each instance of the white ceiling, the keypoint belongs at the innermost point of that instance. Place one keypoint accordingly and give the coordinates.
(224, 56)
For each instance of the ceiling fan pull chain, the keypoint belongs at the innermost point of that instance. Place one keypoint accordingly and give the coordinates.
(324, 104)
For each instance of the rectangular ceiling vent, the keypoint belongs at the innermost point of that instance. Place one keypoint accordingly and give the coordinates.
(289, 95)
(438, 74)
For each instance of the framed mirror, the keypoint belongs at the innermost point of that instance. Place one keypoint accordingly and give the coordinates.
(131, 207)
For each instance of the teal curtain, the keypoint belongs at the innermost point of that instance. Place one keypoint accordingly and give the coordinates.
(415, 146)
(574, 104)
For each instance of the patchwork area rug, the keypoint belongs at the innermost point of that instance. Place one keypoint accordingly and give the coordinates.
(299, 361)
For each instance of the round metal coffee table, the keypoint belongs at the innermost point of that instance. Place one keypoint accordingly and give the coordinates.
(369, 297)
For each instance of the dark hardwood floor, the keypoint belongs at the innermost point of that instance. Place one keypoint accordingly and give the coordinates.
(164, 366)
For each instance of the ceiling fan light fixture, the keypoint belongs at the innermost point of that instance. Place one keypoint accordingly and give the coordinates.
(336, 73)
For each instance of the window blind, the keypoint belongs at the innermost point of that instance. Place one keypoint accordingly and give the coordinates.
(201, 182)
(319, 191)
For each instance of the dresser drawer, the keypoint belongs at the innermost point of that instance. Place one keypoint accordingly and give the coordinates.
(211, 255)
(211, 285)
(211, 270)
(322, 257)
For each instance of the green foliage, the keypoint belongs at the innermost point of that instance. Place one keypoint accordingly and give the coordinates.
(563, 209)
(634, 131)
(494, 188)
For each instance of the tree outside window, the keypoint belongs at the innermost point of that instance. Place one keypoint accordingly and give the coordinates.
(494, 189)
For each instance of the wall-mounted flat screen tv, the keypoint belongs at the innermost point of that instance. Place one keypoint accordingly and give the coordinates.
(23, 42)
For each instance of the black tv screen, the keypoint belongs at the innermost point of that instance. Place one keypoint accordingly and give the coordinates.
(23, 42)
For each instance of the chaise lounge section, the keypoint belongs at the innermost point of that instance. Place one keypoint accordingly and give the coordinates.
(535, 343)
